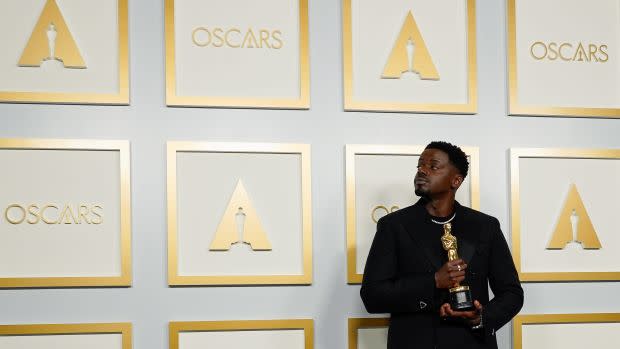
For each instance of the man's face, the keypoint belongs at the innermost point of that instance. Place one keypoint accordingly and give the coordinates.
(436, 176)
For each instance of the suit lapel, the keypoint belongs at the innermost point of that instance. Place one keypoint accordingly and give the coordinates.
(417, 223)
(466, 249)
(467, 239)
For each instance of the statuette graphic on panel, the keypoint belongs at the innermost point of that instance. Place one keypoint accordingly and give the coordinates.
(239, 214)
(51, 40)
(64, 51)
(564, 214)
(574, 225)
(240, 224)
(410, 54)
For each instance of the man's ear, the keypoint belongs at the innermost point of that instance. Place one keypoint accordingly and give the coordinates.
(457, 180)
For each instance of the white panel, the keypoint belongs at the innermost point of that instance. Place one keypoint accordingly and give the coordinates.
(205, 183)
(69, 341)
(237, 72)
(94, 26)
(568, 83)
(372, 338)
(570, 336)
(386, 180)
(272, 339)
(60, 177)
(544, 184)
(375, 28)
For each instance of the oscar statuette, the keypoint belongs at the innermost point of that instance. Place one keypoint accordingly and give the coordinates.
(460, 296)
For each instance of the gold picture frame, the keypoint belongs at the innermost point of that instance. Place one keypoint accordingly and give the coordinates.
(123, 328)
(350, 104)
(174, 100)
(174, 279)
(120, 98)
(369, 149)
(307, 325)
(561, 153)
(517, 109)
(541, 319)
(125, 279)
(355, 324)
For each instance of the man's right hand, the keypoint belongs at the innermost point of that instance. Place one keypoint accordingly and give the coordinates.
(450, 274)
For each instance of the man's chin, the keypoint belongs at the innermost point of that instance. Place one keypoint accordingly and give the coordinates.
(421, 193)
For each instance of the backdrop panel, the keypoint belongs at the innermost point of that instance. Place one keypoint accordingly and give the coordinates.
(276, 334)
(64, 51)
(239, 213)
(217, 55)
(567, 331)
(67, 336)
(564, 203)
(65, 213)
(415, 56)
(564, 57)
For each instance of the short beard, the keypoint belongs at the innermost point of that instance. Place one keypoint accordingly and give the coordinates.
(421, 193)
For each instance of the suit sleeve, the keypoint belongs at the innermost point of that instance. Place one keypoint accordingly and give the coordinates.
(383, 289)
(504, 282)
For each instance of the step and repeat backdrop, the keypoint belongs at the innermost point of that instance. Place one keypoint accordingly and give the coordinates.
(186, 174)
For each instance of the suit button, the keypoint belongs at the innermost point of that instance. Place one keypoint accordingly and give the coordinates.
(422, 305)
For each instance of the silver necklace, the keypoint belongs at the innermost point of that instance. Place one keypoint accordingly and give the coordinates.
(446, 222)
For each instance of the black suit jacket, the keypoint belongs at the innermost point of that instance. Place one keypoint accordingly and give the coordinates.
(399, 278)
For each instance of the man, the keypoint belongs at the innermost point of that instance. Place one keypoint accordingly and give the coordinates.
(407, 273)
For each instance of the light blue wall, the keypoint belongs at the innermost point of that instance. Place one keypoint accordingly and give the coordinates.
(148, 124)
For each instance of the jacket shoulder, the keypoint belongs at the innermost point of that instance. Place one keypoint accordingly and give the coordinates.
(398, 216)
(478, 216)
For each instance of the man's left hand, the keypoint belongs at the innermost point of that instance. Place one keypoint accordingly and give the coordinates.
(471, 316)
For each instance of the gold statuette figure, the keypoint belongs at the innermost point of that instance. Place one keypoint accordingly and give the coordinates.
(460, 296)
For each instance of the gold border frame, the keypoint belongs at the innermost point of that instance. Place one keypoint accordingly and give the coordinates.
(471, 107)
(515, 155)
(120, 98)
(174, 279)
(371, 149)
(517, 109)
(356, 324)
(306, 325)
(176, 327)
(124, 280)
(541, 319)
(124, 328)
(173, 100)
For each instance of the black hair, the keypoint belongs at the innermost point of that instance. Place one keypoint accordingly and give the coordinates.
(455, 154)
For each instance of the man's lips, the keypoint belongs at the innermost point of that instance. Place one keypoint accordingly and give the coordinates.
(420, 181)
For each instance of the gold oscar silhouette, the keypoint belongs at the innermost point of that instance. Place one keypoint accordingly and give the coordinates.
(460, 296)
(410, 54)
(51, 40)
(240, 224)
(574, 225)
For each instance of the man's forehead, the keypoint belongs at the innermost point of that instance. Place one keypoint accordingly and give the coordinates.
(434, 154)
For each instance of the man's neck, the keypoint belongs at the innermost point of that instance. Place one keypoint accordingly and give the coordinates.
(440, 207)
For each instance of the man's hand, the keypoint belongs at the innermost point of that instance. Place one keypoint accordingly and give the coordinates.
(450, 274)
(472, 316)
